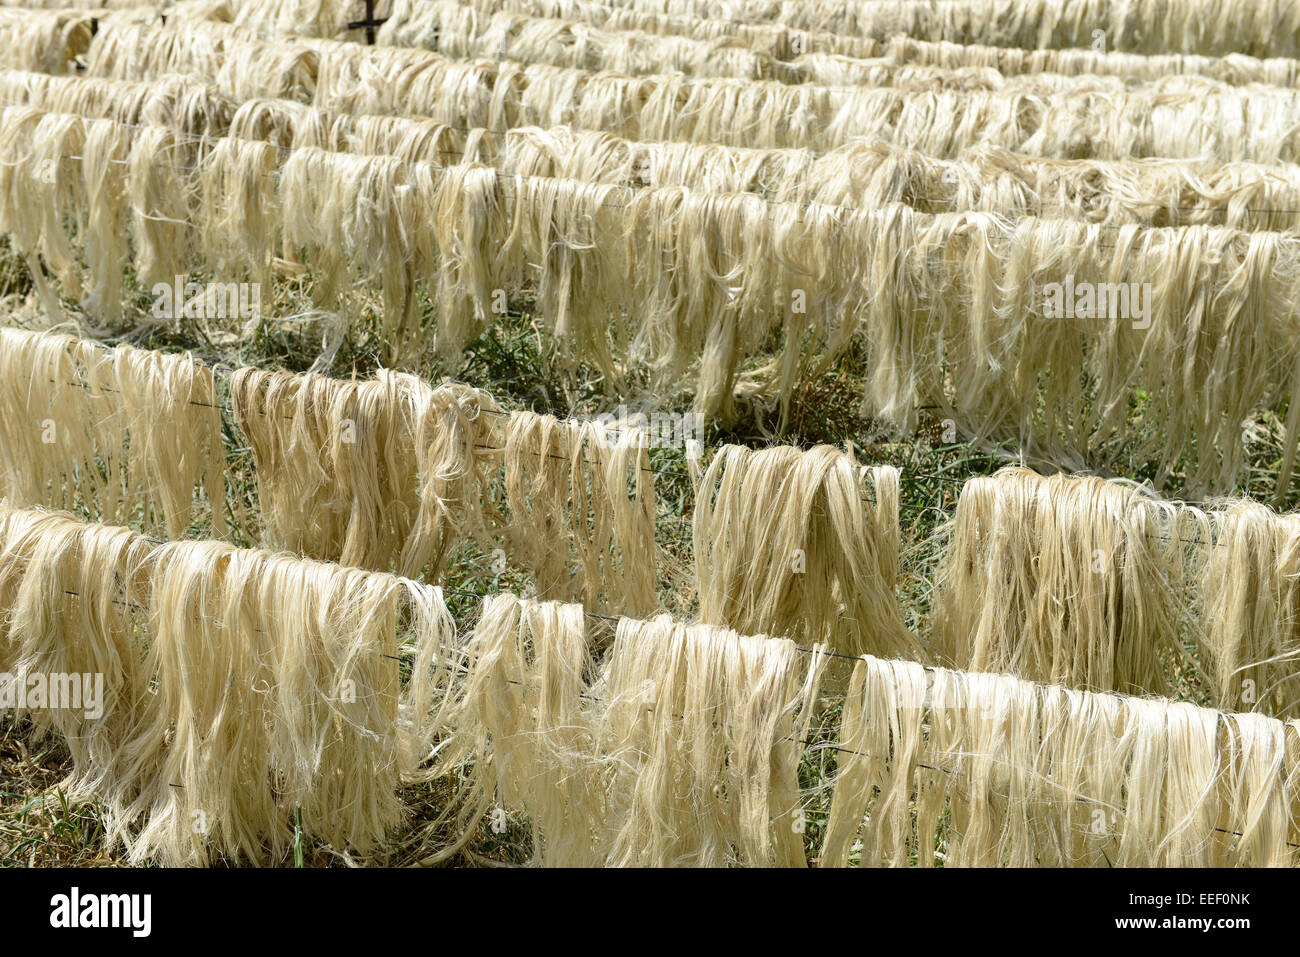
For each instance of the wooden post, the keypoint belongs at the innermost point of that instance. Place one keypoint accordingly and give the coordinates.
(369, 23)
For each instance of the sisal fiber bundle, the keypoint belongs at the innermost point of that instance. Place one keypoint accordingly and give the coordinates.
(239, 210)
(105, 152)
(184, 102)
(970, 291)
(123, 432)
(594, 156)
(582, 510)
(235, 61)
(377, 474)
(1061, 579)
(1234, 68)
(773, 39)
(990, 770)
(530, 725)
(238, 685)
(313, 18)
(292, 125)
(581, 282)
(1183, 116)
(1145, 26)
(71, 595)
(342, 209)
(46, 42)
(401, 222)
(278, 687)
(704, 730)
(42, 203)
(1249, 608)
(163, 409)
(458, 30)
(787, 542)
(161, 197)
(868, 173)
(681, 750)
(923, 292)
(46, 418)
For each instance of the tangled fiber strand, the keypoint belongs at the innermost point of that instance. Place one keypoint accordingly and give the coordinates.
(990, 770)
(703, 728)
(1247, 589)
(1062, 579)
(373, 474)
(583, 490)
(787, 542)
